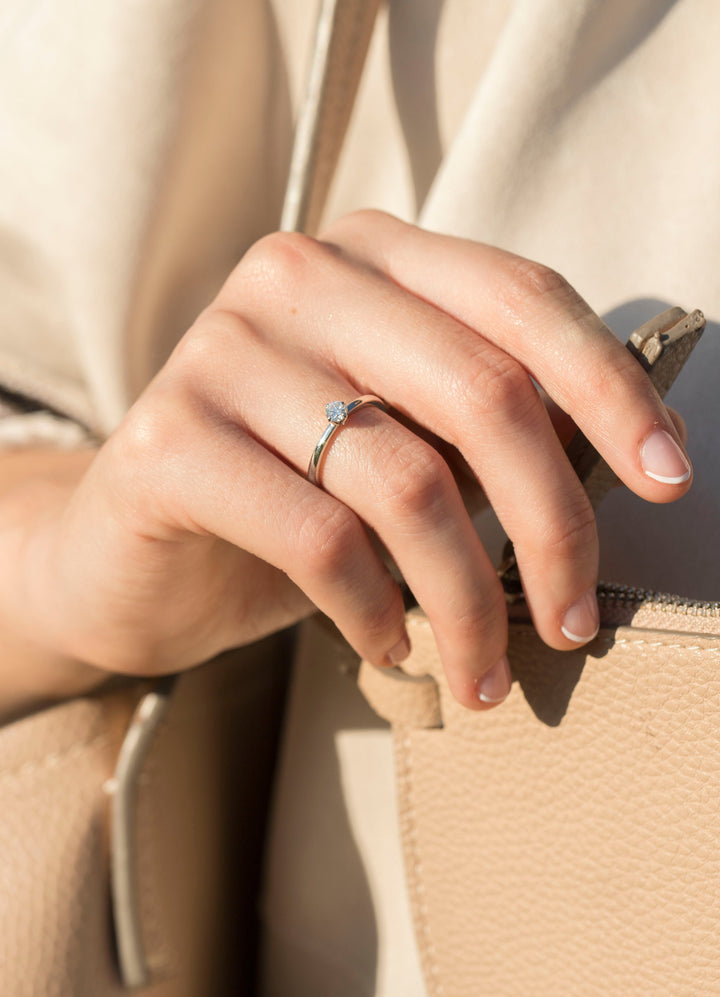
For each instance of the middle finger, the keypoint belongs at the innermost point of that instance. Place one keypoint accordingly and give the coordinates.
(449, 379)
(404, 491)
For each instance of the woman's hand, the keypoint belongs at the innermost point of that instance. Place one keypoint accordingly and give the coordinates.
(194, 528)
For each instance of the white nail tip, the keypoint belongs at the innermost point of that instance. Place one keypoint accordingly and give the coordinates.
(669, 481)
(486, 699)
(576, 637)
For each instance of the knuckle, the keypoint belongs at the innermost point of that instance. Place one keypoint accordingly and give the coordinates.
(530, 280)
(325, 538)
(217, 335)
(200, 348)
(615, 376)
(482, 619)
(152, 442)
(148, 433)
(574, 536)
(380, 618)
(146, 461)
(363, 220)
(498, 387)
(415, 481)
(274, 264)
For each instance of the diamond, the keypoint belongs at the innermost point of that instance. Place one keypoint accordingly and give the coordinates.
(336, 412)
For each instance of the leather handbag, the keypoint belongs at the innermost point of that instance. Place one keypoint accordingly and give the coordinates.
(567, 842)
(132, 831)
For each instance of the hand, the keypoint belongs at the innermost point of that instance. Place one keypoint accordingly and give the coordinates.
(194, 528)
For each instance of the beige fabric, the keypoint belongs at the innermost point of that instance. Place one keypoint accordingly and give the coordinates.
(180, 120)
(336, 865)
(143, 147)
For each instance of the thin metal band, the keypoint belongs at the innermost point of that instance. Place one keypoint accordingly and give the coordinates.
(340, 416)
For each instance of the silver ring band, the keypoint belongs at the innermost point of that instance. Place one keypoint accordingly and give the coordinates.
(338, 414)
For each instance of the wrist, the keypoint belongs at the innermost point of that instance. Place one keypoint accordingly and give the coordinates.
(33, 488)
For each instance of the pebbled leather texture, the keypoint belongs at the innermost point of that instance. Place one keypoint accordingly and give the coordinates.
(54, 933)
(201, 805)
(400, 698)
(566, 842)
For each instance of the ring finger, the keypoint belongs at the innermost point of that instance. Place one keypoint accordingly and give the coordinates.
(400, 487)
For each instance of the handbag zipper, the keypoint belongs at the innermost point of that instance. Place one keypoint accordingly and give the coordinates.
(613, 596)
(630, 597)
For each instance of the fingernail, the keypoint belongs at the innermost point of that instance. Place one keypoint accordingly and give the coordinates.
(663, 460)
(400, 651)
(495, 684)
(582, 621)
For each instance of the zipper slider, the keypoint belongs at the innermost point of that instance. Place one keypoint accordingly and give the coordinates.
(661, 346)
(660, 334)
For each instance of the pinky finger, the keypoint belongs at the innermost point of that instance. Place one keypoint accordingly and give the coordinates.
(253, 500)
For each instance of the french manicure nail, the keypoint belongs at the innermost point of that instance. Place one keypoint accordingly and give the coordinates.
(663, 460)
(495, 684)
(582, 621)
(400, 651)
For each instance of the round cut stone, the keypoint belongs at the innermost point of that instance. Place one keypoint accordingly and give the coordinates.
(336, 412)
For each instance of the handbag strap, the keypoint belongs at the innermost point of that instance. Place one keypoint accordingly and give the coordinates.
(342, 38)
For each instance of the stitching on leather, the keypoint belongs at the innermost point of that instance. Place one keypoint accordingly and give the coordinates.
(414, 872)
(54, 758)
(636, 642)
(661, 643)
(611, 641)
(162, 961)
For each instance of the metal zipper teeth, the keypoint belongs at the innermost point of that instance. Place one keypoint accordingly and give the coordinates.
(629, 597)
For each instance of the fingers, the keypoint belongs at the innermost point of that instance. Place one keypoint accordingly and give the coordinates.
(679, 424)
(532, 313)
(468, 392)
(450, 334)
(404, 491)
(224, 483)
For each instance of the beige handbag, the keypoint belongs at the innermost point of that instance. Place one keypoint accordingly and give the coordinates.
(567, 842)
(132, 831)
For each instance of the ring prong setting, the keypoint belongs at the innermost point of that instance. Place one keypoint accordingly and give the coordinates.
(337, 412)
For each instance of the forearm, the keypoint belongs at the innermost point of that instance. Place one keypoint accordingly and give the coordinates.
(31, 675)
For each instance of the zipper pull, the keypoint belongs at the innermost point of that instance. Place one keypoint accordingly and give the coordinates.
(664, 343)
(661, 346)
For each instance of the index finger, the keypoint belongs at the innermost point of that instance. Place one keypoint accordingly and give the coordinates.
(533, 314)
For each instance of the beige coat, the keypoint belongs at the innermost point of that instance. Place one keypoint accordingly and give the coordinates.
(144, 148)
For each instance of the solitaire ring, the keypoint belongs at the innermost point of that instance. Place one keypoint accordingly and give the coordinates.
(337, 414)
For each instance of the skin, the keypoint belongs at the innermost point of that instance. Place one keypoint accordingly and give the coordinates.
(193, 528)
